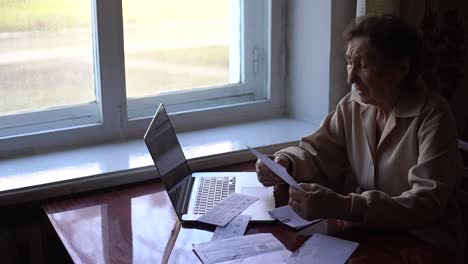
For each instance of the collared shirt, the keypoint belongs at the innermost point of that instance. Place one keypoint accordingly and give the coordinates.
(408, 179)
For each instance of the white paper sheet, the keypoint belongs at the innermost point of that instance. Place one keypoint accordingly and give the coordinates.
(277, 169)
(275, 257)
(323, 249)
(227, 209)
(237, 248)
(286, 215)
(236, 227)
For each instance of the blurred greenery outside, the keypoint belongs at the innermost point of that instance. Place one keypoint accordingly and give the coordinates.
(58, 81)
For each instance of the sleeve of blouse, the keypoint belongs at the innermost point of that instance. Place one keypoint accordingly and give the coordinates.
(321, 156)
(432, 180)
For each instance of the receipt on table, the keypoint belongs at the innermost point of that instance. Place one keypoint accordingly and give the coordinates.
(227, 209)
(235, 228)
(277, 169)
(286, 215)
(237, 248)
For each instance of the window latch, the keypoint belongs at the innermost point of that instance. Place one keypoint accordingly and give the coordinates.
(256, 60)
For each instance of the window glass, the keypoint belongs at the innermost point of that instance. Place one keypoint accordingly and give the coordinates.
(179, 45)
(46, 57)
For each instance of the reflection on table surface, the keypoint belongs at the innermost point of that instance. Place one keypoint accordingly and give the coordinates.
(137, 224)
(132, 225)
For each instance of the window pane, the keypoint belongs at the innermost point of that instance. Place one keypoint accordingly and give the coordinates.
(179, 45)
(46, 57)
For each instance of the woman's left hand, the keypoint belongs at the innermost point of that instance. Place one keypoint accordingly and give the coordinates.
(317, 201)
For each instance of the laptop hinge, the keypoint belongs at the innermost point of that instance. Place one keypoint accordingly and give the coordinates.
(187, 194)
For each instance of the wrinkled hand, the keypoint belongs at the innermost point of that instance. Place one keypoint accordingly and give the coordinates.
(318, 202)
(266, 176)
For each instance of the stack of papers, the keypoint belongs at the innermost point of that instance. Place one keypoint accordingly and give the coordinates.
(226, 215)
(286, 215)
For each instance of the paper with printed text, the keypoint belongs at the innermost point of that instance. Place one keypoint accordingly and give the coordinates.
(237, 248)
(236, 227)
(227, 209)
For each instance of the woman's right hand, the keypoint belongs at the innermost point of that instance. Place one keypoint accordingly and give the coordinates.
(266, 176)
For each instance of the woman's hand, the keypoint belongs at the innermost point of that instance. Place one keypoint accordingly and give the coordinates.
(317, 201)
(266, 176)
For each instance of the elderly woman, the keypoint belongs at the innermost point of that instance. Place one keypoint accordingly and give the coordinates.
(390, 139)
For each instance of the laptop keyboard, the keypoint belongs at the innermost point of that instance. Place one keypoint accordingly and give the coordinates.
(212, 190)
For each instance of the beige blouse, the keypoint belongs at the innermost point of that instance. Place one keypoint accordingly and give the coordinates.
(408, 179)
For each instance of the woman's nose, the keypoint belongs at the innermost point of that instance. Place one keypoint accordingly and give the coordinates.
(351, 75)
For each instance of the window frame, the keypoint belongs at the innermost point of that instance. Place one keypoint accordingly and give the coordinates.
(91, 125)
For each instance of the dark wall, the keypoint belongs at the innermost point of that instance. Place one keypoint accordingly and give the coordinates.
(26, 236)
(445, 30)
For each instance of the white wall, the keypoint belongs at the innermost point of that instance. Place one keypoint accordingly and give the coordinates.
(308, 59)
(316, 64)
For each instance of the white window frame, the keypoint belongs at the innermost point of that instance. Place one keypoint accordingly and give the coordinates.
(259, 95)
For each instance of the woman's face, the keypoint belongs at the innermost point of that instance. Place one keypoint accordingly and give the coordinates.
(375, 82)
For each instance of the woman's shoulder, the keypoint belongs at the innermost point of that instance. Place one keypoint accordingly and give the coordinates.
(435, 103)
(421, 100)
(436, 110)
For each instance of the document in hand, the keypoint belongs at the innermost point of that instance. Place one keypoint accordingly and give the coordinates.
(277, 169)
(237, 248)
(323, 249)
(286, 215)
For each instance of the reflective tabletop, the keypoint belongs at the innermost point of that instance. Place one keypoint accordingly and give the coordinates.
(137, 224)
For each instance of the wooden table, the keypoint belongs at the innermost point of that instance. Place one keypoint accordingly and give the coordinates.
(137, 224)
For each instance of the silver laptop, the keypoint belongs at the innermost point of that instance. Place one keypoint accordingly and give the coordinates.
(193, 194)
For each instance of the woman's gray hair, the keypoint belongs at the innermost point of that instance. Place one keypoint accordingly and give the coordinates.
(392, 38)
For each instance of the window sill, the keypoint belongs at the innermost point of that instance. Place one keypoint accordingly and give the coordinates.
(64, 173)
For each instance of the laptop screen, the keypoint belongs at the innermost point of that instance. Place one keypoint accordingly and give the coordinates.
(167, 154)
